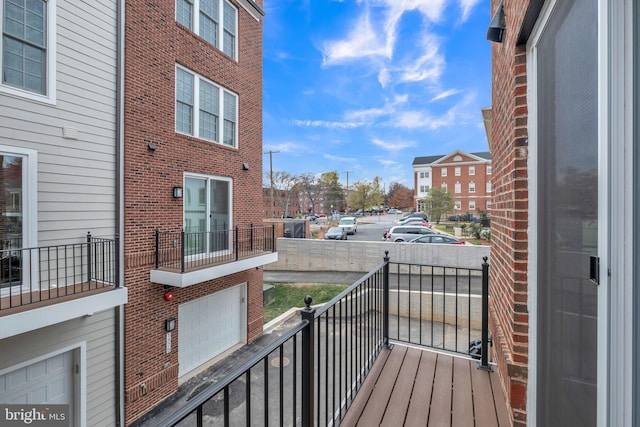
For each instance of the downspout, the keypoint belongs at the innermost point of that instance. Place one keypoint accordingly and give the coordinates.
(119, 201)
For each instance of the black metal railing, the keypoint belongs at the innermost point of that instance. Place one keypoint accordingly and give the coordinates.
(30, 275)
(311, 374)
(186, 250)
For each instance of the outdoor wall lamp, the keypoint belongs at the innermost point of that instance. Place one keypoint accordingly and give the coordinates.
(170, 324)
(177, 192)
(495, 32)
(245, 166)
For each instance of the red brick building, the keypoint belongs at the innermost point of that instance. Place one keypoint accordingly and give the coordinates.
(467, 176)
(563, 278)
(193, 163)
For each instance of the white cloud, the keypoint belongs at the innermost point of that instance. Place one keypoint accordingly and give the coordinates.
(283, 147)
(460, 114)
(373, 113)
(392, 145)
(339, 158)
(428, 66)
(445, 94)
(326, 124)
(466, 7)
(386, 162)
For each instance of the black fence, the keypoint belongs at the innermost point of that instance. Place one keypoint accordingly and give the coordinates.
(312, 373)
(185, 250)
(30, 275)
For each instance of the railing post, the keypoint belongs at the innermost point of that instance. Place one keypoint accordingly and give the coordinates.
(308, 353)
(273, 237)
(182, 251)
(484, 362)
(385, 300)
(157, 248)
(237, 244)
(251, 238)
(117, 259)
(89, 255)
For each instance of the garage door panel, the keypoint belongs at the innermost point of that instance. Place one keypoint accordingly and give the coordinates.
(209, 326)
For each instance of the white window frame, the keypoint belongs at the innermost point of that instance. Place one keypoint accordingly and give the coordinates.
(472, 187)
(457, 205)
(472, 205)
(195, 116)
(472, 170)
(488, 205)
(457, 171)
(488, 187)
(444, 186)
(443, 172)
(195, 24)
(488, 170)
(49, 96)
(458, 188)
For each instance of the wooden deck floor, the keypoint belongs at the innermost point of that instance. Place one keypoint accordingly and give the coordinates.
(414, 387)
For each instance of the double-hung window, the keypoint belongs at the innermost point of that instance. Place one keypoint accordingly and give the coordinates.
(216, 21)
(443, 172)
(28, 42)
(200, 107)
(458, 187)
(472, 187)
(472, 170)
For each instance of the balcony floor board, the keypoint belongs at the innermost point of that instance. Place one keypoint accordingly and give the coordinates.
(414, 387)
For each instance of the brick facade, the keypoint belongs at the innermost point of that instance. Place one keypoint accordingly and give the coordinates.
(509, 215)
(155, 43)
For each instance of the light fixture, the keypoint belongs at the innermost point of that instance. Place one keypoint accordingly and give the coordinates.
(245, 166)
(495, 32)
(151, 146)
(177, 192)
(170, 324)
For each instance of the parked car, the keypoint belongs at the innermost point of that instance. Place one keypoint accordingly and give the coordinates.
(404, 233)
(416, 215)
(336, 233)
(437, 238)
(414, 221)
(349, 223)
(395, 211)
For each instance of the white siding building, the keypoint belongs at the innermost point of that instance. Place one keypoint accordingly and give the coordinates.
(60, 293)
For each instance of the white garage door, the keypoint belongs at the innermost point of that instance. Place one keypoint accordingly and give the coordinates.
(48, 381)
(210, 325)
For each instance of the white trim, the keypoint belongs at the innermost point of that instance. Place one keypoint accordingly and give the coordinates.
(50, 79)
(618, 45)
(80, 380)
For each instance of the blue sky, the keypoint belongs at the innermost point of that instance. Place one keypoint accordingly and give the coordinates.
(366, 85)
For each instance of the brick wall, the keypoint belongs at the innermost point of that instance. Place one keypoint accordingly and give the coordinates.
(155, 43)
(508, 273)
(480, 179)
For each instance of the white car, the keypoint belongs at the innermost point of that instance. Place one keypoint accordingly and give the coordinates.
(349, 223)
(394, 211)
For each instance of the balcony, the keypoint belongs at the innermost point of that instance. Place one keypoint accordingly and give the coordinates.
(392, 349)
(41, 286)
(187, 258)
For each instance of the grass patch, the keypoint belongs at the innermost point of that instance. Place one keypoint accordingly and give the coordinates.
(292, 295)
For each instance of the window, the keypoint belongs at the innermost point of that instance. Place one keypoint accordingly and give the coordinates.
(488, 187)
(472, 187)
(444, 171)
(472, 205)
(28, 47)
(457, 159)
(444, 186)
(488, 205)
(457, 205)
(472, 170)
(457, 171)
(426, 174)
(207, 214)
(194, 93)
(458, 188)
(421, 174)
(422, 188)
(208, 22)
(488, 170)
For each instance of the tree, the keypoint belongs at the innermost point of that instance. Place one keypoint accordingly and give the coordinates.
(329, 183)
(285, 182)
(309, 185)
(437, 203)
(399, 196)
(366, 195)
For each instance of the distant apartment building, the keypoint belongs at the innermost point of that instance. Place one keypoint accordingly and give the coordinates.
(467, 176)
(194, 240)
(61, 293)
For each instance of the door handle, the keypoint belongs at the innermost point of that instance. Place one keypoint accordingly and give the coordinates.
(594, 269)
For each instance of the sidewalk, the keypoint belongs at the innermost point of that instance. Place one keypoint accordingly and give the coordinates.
(333, 277)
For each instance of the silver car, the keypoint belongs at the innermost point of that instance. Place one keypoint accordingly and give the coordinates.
(404, 233)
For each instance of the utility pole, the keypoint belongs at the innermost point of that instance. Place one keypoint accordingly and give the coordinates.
(273, 206)
(347, 201)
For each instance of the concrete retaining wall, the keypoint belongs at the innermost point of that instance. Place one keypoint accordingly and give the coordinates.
(349, 255)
